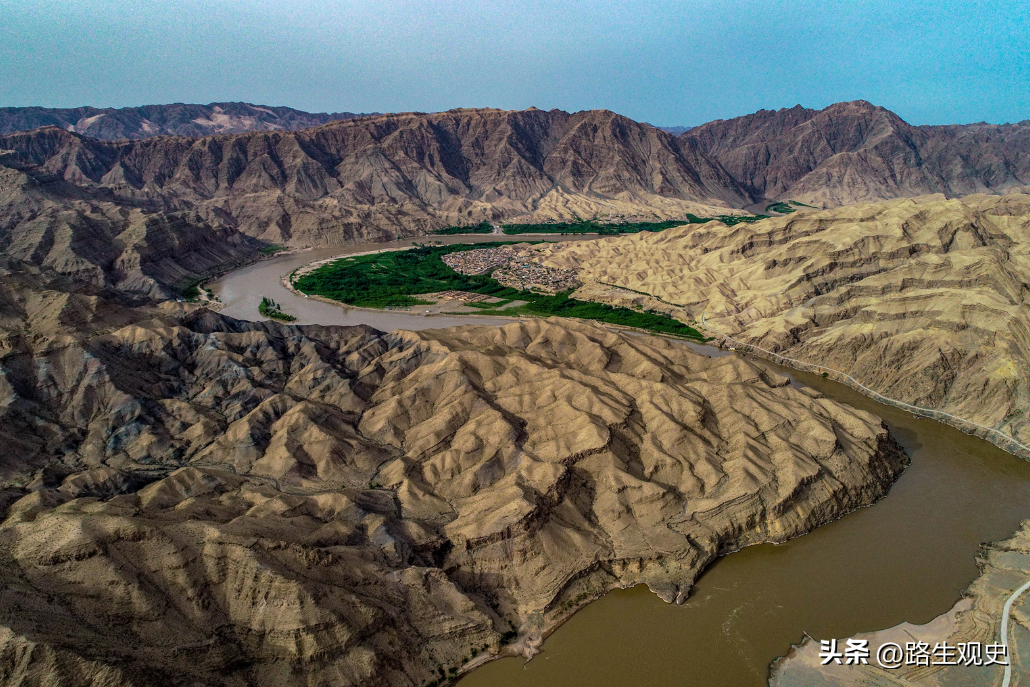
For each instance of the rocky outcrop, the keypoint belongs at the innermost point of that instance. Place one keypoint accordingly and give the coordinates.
(976, 619)
(856, 152)
(191, 499)
(381, 177)
(923, 300)
(177, 119)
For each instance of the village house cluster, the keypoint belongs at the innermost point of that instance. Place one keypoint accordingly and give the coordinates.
(463, 296)
(512, 269)
(524, 275)
(480, 261)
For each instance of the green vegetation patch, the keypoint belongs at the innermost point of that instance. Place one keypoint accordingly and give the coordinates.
(615, 228)
(780, 207)
(270, 308)
(488, 306)
(784, 207)
(189, 289)
(393, 279)
(483, 227)
(272, 250)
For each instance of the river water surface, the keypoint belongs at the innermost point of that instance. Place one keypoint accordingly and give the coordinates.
(907, 558)
(241, 291)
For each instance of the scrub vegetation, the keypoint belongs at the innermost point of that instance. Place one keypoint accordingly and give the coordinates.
(784, 206)
(270, 308)
(780, 207)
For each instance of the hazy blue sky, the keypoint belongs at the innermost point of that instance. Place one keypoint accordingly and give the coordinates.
(667, 63)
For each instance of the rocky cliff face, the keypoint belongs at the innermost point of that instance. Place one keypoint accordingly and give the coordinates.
(195, 500)
(177, 119)
(856, 152)
(380, 177)
(922, 300)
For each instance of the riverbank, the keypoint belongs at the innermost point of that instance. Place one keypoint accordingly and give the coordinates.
(996, 437)
(398, 279)
(907, 558)
(993, 435)
(241, 294)
(983, 617)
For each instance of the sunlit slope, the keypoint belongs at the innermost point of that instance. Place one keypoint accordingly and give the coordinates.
(923, 300)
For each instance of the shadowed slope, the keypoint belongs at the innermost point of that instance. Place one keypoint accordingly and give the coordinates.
(49, 222)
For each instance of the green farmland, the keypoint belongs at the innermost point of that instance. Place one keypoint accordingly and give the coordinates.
(396, 278)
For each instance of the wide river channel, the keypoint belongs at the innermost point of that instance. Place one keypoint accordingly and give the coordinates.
(907, 558)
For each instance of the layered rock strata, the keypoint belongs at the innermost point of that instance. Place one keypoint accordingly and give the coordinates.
(856, 152)
(924, 301)
(101, 242)
(375, 178)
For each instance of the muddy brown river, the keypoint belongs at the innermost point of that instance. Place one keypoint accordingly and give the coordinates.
(906, 558)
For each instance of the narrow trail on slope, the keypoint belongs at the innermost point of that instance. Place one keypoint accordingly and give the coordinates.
(876, 395)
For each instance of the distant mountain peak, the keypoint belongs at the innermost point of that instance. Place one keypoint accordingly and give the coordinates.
(674, 130)
(384, 175)
(176, 119)
(856, 151)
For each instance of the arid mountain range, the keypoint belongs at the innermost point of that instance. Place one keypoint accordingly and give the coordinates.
(383, 176)
(379, 177)
(856, 152)
(177, 119)
(100, 242)
(191, 499)
(923, 300)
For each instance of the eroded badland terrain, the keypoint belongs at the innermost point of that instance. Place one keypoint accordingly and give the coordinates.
(922, 300)
(196, 499)
(193, 499)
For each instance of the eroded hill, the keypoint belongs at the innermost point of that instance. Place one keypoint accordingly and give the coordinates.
(103, 242)
(379, 177)
(922, 300)
(193, 499)
(394, 175)
(176, 119)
